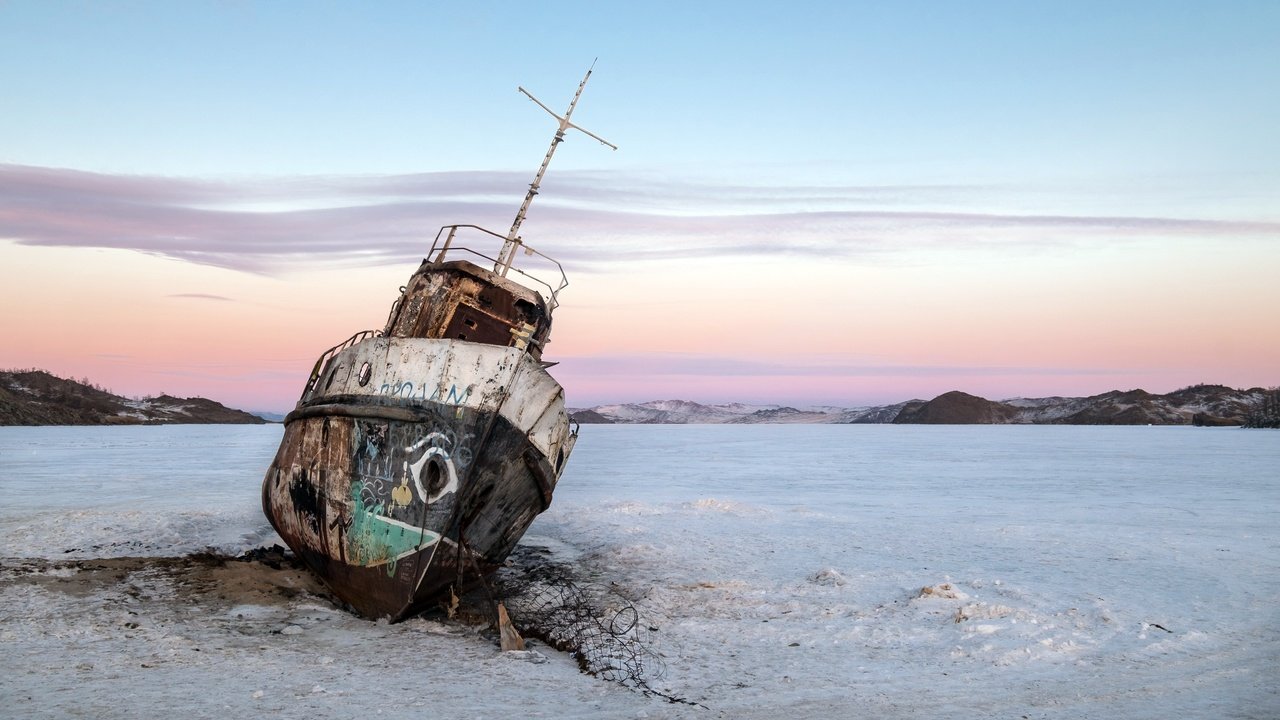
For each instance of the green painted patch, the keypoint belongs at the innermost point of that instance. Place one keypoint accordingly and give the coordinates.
(375, 539)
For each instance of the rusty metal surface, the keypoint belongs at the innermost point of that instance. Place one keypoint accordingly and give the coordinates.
(413, 372)
(387, 487)
(461, 301)
(417, 457)
(427, 449)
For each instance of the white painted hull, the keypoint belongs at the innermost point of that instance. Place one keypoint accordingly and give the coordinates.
(413, 464)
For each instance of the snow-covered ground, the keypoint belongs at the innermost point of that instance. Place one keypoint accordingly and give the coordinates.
(809, 571)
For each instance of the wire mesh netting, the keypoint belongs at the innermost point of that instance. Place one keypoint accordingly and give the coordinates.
(603, 630)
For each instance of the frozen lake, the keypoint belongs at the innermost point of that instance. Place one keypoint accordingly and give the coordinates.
(813, 570)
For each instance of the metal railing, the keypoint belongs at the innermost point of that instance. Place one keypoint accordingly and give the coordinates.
(440, 248)
(327, 355)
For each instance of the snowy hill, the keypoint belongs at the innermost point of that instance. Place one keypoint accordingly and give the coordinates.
(677, 412)
(682, 412)
(35, 397)
(1195, 405)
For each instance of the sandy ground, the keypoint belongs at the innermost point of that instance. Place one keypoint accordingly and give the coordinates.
(212, 636)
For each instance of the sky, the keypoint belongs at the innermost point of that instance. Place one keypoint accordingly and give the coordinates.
(811, 204)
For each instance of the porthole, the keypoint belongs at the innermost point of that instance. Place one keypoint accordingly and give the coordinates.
(435, 477)
(366, 371)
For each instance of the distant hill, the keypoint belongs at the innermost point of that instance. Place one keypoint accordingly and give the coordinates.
(590, 417)
(1205, 405)
(35, 397)
(1195, 405)
(956, 408)
(679, 412)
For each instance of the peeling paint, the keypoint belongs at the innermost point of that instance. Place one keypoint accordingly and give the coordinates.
(438, 430)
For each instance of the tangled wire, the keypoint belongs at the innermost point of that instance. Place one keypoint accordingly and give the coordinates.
(598, 626)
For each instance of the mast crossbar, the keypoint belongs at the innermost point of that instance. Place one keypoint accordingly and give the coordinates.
(512, 241)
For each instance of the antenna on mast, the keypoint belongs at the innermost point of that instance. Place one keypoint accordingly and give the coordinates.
(508, 251)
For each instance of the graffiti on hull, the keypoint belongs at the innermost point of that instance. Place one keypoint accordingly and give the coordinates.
(404, 482)
(375, 539)
(406, 390)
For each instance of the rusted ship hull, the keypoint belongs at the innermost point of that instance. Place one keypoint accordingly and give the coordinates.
(408, 467)
(419, 454)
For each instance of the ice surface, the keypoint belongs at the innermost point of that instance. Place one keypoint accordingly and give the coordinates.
(137, 490)
(810, 571)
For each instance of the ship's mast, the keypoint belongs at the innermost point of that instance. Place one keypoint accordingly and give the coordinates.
(507, 255)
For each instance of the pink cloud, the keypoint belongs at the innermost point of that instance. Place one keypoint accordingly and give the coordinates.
(590, 220)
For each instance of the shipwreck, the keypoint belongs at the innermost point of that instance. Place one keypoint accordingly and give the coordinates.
(418, 454)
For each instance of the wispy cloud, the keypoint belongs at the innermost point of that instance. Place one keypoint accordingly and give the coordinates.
(201, 296)
(266, 225)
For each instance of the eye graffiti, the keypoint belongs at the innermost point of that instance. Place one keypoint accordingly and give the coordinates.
(403, 473)
(400, 464)
(440, 482)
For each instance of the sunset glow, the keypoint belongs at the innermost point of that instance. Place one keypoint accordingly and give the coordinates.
(804, 210)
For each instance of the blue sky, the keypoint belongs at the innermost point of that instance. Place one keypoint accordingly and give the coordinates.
(829, 92)
(1008, 198)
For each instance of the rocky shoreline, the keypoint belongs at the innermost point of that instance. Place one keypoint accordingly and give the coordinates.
(36, 397)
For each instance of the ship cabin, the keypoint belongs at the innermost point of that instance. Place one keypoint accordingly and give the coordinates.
(455, 299)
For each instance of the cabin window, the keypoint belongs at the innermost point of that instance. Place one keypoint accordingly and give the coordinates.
(366, 371)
